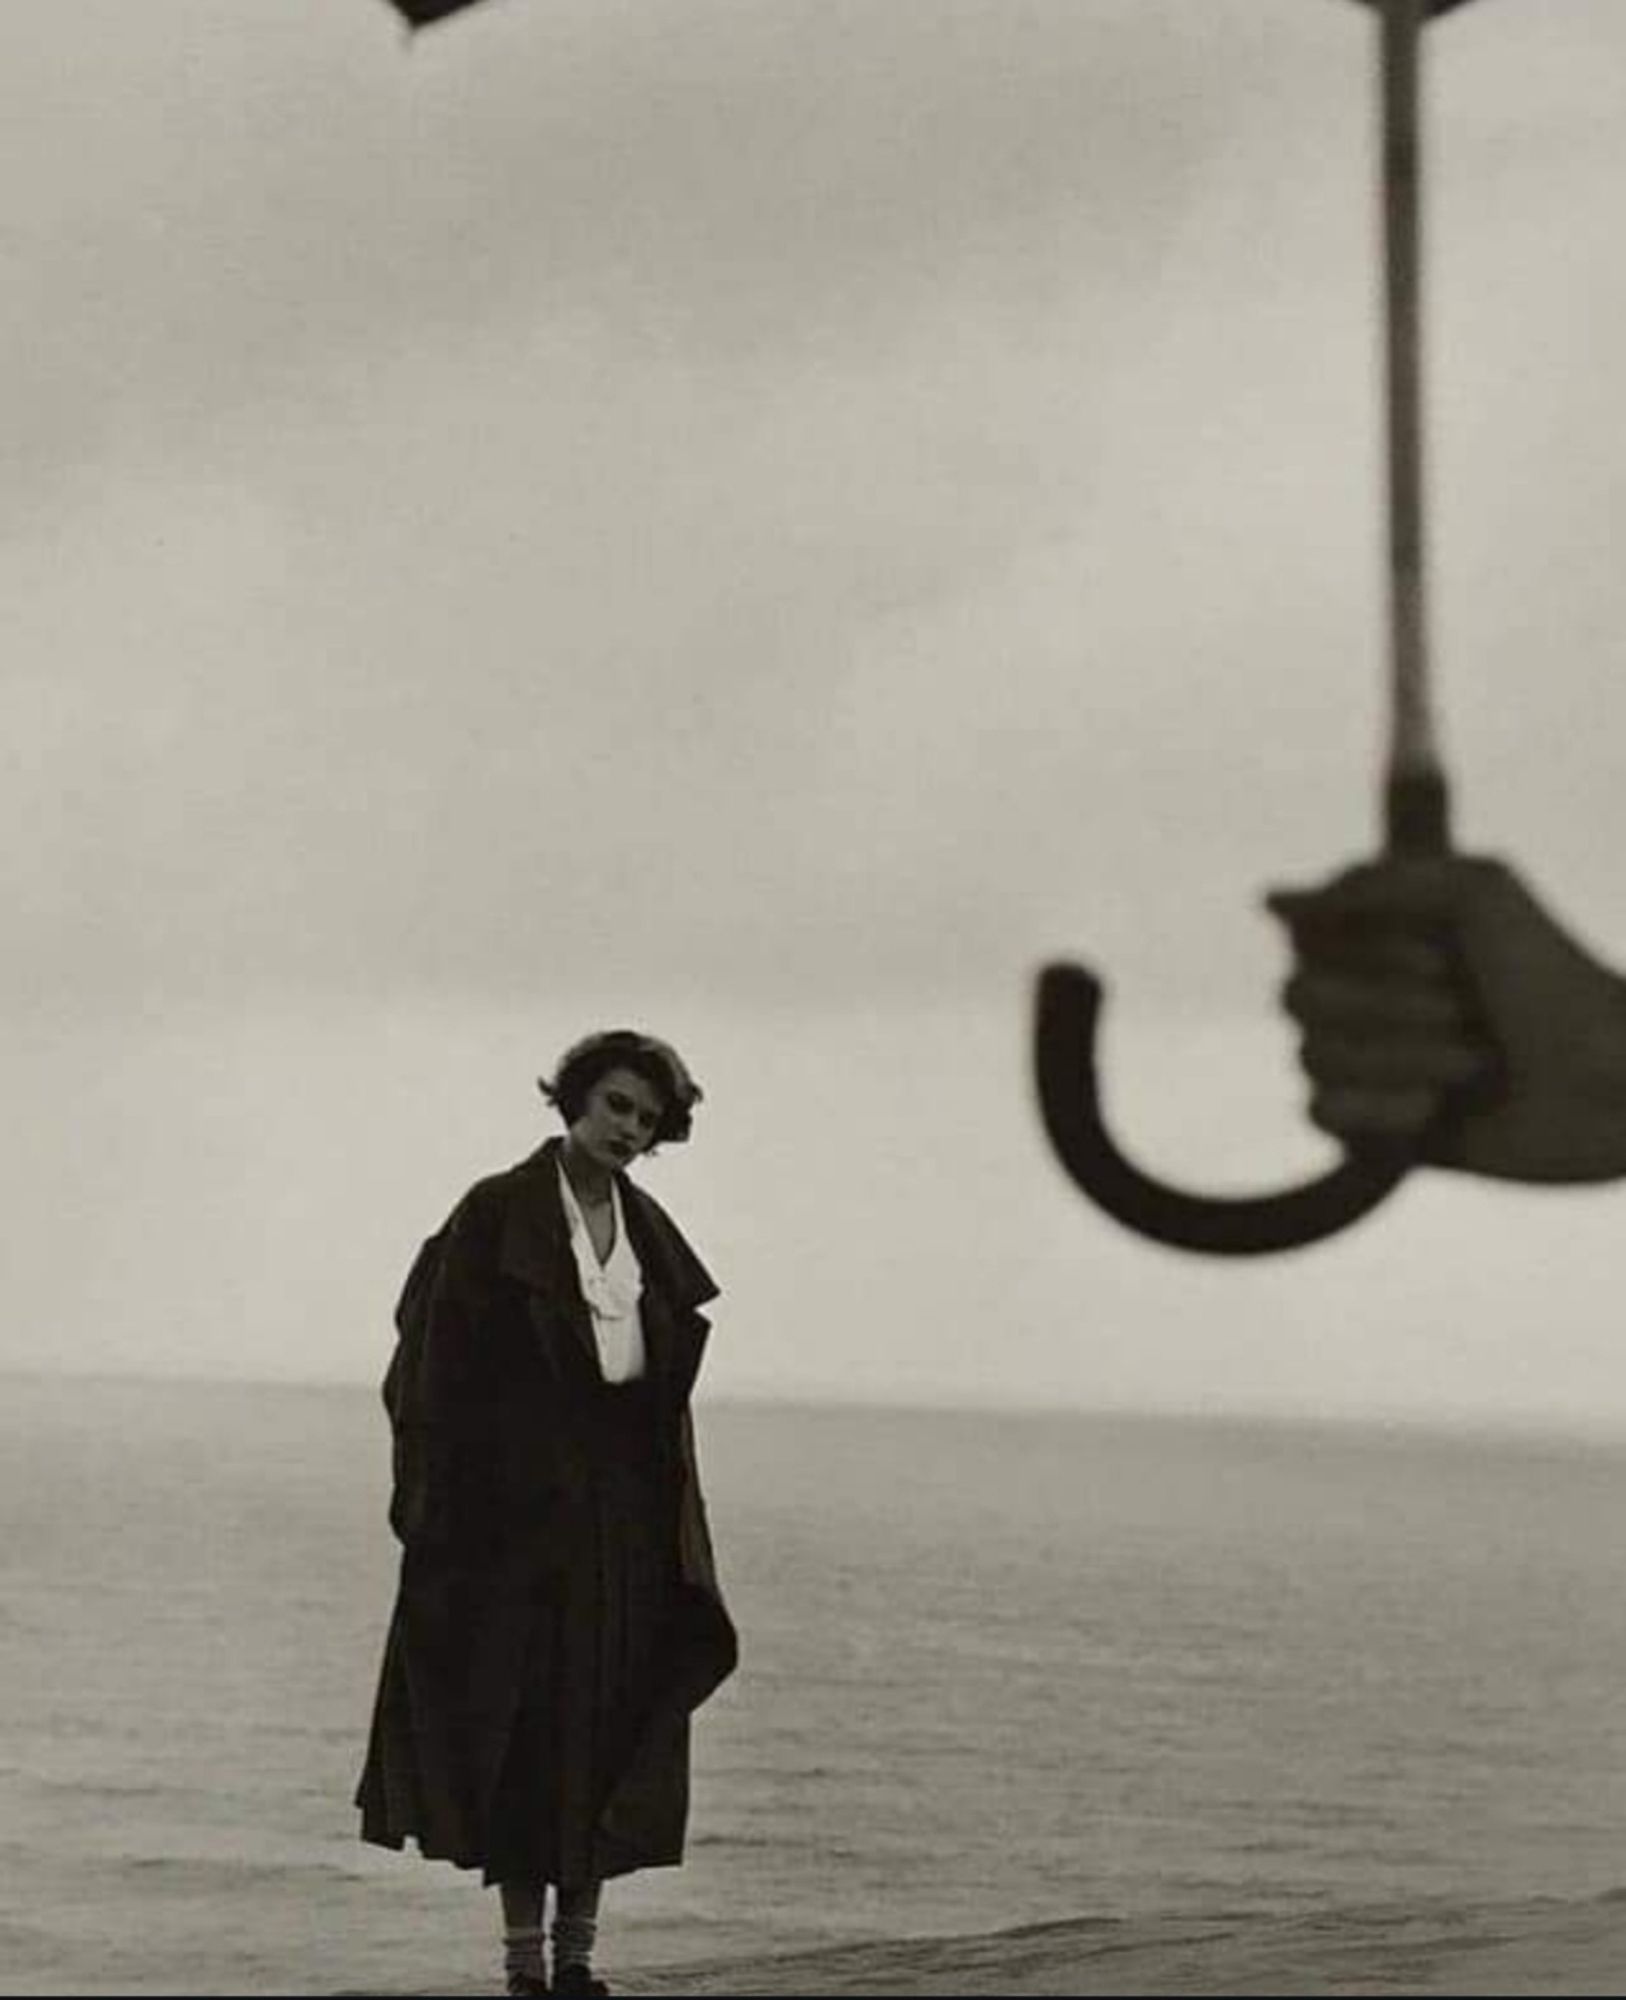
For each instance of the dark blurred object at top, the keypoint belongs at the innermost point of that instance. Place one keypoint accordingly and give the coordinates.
(1434, 6)
(421, 12)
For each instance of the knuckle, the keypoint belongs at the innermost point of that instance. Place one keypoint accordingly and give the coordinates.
(1369, 1113)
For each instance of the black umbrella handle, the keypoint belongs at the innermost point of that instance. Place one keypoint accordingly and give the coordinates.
(1069, 1005)
(1416, 806)
(1417, 811)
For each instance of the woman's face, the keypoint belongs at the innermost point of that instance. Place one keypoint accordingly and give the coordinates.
(619, 1120)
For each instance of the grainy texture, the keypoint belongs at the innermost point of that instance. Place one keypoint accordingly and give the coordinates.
(1533, 1947)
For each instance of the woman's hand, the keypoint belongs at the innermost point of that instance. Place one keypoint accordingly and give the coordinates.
(1438, 1001)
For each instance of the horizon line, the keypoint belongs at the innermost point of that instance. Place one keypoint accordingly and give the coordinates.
(1461, 1425)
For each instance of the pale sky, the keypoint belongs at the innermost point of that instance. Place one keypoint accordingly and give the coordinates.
(769, 519)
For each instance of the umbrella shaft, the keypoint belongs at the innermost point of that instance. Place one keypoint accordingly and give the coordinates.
(1413, 753)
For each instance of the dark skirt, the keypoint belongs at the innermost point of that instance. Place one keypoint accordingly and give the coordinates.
(596, 1650)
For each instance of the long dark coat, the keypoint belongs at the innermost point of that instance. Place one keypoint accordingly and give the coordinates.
(485, 1465)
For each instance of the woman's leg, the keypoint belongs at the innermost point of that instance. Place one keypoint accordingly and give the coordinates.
(524, 1936)
(575, 1930)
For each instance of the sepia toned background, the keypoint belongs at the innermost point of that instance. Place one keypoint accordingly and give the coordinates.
(767, 522)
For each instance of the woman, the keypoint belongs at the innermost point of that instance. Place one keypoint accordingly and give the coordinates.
(558, 1617)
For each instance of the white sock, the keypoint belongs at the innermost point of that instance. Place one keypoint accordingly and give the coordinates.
(575, 1939)
(522, 1950)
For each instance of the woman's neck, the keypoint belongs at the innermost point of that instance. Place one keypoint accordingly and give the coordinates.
(590, 1181)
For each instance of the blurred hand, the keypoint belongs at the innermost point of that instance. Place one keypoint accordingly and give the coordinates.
(1439, 1002)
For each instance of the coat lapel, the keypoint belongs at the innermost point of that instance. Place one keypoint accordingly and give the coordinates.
(536, 1250)
(676, 1285)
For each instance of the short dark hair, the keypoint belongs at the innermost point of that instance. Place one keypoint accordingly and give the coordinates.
(657, 1062)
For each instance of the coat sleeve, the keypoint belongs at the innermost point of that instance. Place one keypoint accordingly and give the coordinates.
(434, 1391)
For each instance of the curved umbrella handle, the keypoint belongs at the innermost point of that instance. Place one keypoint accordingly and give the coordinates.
(1069, 1004)
(1069, 999)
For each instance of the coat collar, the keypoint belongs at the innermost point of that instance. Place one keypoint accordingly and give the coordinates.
(535, 1249)
(535, 1246)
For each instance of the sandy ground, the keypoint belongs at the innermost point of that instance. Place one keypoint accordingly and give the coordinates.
(1534, 1947)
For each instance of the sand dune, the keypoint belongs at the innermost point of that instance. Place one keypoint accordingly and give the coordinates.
(1531, 1947)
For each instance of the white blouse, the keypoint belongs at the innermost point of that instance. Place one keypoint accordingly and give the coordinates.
(612, 1289)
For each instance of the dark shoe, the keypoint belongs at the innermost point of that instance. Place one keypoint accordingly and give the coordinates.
(573, 1979)
(527, 1986)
